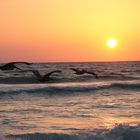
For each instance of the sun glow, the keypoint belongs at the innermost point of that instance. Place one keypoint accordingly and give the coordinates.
(111, 43)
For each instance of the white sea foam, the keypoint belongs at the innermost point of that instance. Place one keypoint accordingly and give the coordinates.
(69, 87)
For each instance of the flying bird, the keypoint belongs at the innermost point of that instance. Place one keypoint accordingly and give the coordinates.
(81, 72)
(44, 78)
(11, 65)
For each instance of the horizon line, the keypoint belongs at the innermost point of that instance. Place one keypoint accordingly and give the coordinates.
(77, 61)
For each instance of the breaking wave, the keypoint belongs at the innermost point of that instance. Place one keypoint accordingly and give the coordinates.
(68, 87)
(121, 132)
(67, 78)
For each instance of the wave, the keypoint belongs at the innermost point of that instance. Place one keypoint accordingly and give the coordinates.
(67, 78)
(68, 87)
(119, 77)
(120, 132)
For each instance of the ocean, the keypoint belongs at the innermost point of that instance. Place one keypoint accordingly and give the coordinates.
(70, 106)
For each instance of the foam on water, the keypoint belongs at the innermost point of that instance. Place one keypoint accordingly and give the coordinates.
(69, 87)
(120, 132)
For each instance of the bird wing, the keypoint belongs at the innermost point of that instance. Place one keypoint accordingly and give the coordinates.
(47, 76)
(37, 74)
(75, 70)
(92, 73)
(9, 66)
(12, 63)
(16, 67)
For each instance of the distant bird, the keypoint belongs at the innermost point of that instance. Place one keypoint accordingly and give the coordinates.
(44, 78)
(11, 66)
(81, 72)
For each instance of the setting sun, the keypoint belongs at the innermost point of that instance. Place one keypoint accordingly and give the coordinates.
(69, 69)
(111, 43)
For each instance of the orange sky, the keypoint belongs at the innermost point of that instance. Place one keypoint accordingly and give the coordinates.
(69, 30)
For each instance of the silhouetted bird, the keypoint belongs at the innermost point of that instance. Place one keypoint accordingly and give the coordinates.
(81, 72)
(44, 78)
(11, 66)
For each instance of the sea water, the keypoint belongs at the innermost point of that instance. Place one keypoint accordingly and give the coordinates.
(70, 106)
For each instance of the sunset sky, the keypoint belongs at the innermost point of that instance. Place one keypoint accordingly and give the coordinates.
(69, 30)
